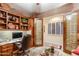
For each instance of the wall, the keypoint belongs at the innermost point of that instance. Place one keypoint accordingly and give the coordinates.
(56, 39)
(51, 39)
(7, 35)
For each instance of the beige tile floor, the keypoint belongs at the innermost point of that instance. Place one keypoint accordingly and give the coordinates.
(36, 51)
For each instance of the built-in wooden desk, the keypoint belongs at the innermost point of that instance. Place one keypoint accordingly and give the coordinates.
(7, 47)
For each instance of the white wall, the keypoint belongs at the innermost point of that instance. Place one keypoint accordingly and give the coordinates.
(49, 39)
(7, 35)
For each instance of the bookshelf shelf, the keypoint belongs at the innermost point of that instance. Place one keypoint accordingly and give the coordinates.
(11, 21)
(2, 17)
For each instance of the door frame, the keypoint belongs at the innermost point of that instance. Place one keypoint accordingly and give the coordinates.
(42, 34)
(65, 31)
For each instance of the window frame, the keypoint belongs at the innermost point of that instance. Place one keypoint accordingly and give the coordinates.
(61, 31)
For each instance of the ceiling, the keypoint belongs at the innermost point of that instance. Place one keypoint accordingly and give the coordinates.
(30, 8)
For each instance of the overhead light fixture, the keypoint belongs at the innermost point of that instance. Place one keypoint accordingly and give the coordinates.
(37, 3)
(36, 10)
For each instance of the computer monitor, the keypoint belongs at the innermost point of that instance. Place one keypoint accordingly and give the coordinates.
(16, 35)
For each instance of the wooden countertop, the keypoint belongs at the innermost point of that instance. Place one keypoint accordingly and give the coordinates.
(7, 42)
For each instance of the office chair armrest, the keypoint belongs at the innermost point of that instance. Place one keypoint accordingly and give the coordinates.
(15, 51)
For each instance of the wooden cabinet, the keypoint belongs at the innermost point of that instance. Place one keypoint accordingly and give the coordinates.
(78, 28)
(24, 23)
(70, 35)
(11, 21)
(6, 50)
(0, 48)
(31, 27)
(2, 19)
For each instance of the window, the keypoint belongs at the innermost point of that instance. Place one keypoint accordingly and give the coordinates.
(49, 28)
(55, 28)
(61, 28)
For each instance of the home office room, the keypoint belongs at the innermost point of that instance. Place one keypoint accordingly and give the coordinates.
(39, 29)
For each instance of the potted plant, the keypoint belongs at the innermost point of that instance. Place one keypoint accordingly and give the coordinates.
(47, 51)
(24, 19)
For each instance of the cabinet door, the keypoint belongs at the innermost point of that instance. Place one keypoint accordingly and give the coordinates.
(0, 50)
(31, 27)
(71, 33)
(38, 32)
(7, 49)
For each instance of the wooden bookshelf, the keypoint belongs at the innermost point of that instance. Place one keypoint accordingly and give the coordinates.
(24, 23)
(12, 21)
(2, 19)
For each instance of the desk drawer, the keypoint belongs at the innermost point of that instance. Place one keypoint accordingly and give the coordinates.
(7, 46)
(6, 49)
(0, 48)
(6, 54)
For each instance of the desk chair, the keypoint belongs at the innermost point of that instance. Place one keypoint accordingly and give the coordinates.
(23, 45)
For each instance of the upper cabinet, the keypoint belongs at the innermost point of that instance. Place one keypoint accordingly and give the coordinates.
(12, 21)
(24, 23)
(3, 19)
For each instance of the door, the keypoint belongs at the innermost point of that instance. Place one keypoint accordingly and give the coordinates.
(38, 32)
(70, 35)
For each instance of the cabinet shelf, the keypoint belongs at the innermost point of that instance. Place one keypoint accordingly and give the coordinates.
(25, 22)
(2, 23)
(2, 17)
(24, 25)
(12, 21)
